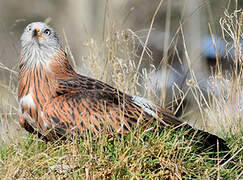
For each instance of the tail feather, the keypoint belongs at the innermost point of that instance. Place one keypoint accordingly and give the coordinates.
(205, 140)
(208, 141)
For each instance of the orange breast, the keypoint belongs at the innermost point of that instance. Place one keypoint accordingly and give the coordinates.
(34, 91)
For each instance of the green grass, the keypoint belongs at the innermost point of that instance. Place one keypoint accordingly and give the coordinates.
(149, 155)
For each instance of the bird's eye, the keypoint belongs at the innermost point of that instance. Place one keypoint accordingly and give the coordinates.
(29, 29)
(47, 32)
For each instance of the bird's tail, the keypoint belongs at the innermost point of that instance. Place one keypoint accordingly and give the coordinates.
(206, 141)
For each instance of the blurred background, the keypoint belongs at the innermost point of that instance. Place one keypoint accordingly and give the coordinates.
(180, 26)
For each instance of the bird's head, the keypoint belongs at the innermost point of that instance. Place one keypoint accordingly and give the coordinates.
(39, 41)
(40, 35)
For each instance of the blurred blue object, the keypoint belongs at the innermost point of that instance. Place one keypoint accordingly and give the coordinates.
(208, 47)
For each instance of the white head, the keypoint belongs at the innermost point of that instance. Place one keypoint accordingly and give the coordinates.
(39, 42)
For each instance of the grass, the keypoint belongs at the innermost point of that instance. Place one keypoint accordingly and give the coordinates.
(165, 154)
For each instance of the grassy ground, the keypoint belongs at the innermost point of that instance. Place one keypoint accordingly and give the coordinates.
(149, 155)
(165, 154)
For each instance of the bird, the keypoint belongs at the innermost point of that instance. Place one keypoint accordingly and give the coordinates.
(55, 101)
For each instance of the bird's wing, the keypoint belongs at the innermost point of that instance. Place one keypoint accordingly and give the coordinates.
(85, 103)
(91, 110)
(82, 83)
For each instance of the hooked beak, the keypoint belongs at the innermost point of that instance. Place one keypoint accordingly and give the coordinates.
(35, 34)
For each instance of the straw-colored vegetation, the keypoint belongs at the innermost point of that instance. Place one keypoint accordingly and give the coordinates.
(165, 154)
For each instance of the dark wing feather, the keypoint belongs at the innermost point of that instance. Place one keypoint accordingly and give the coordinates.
(85, 84)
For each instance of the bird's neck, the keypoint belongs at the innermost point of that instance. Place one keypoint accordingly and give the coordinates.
(54, 61)
(34, 54)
